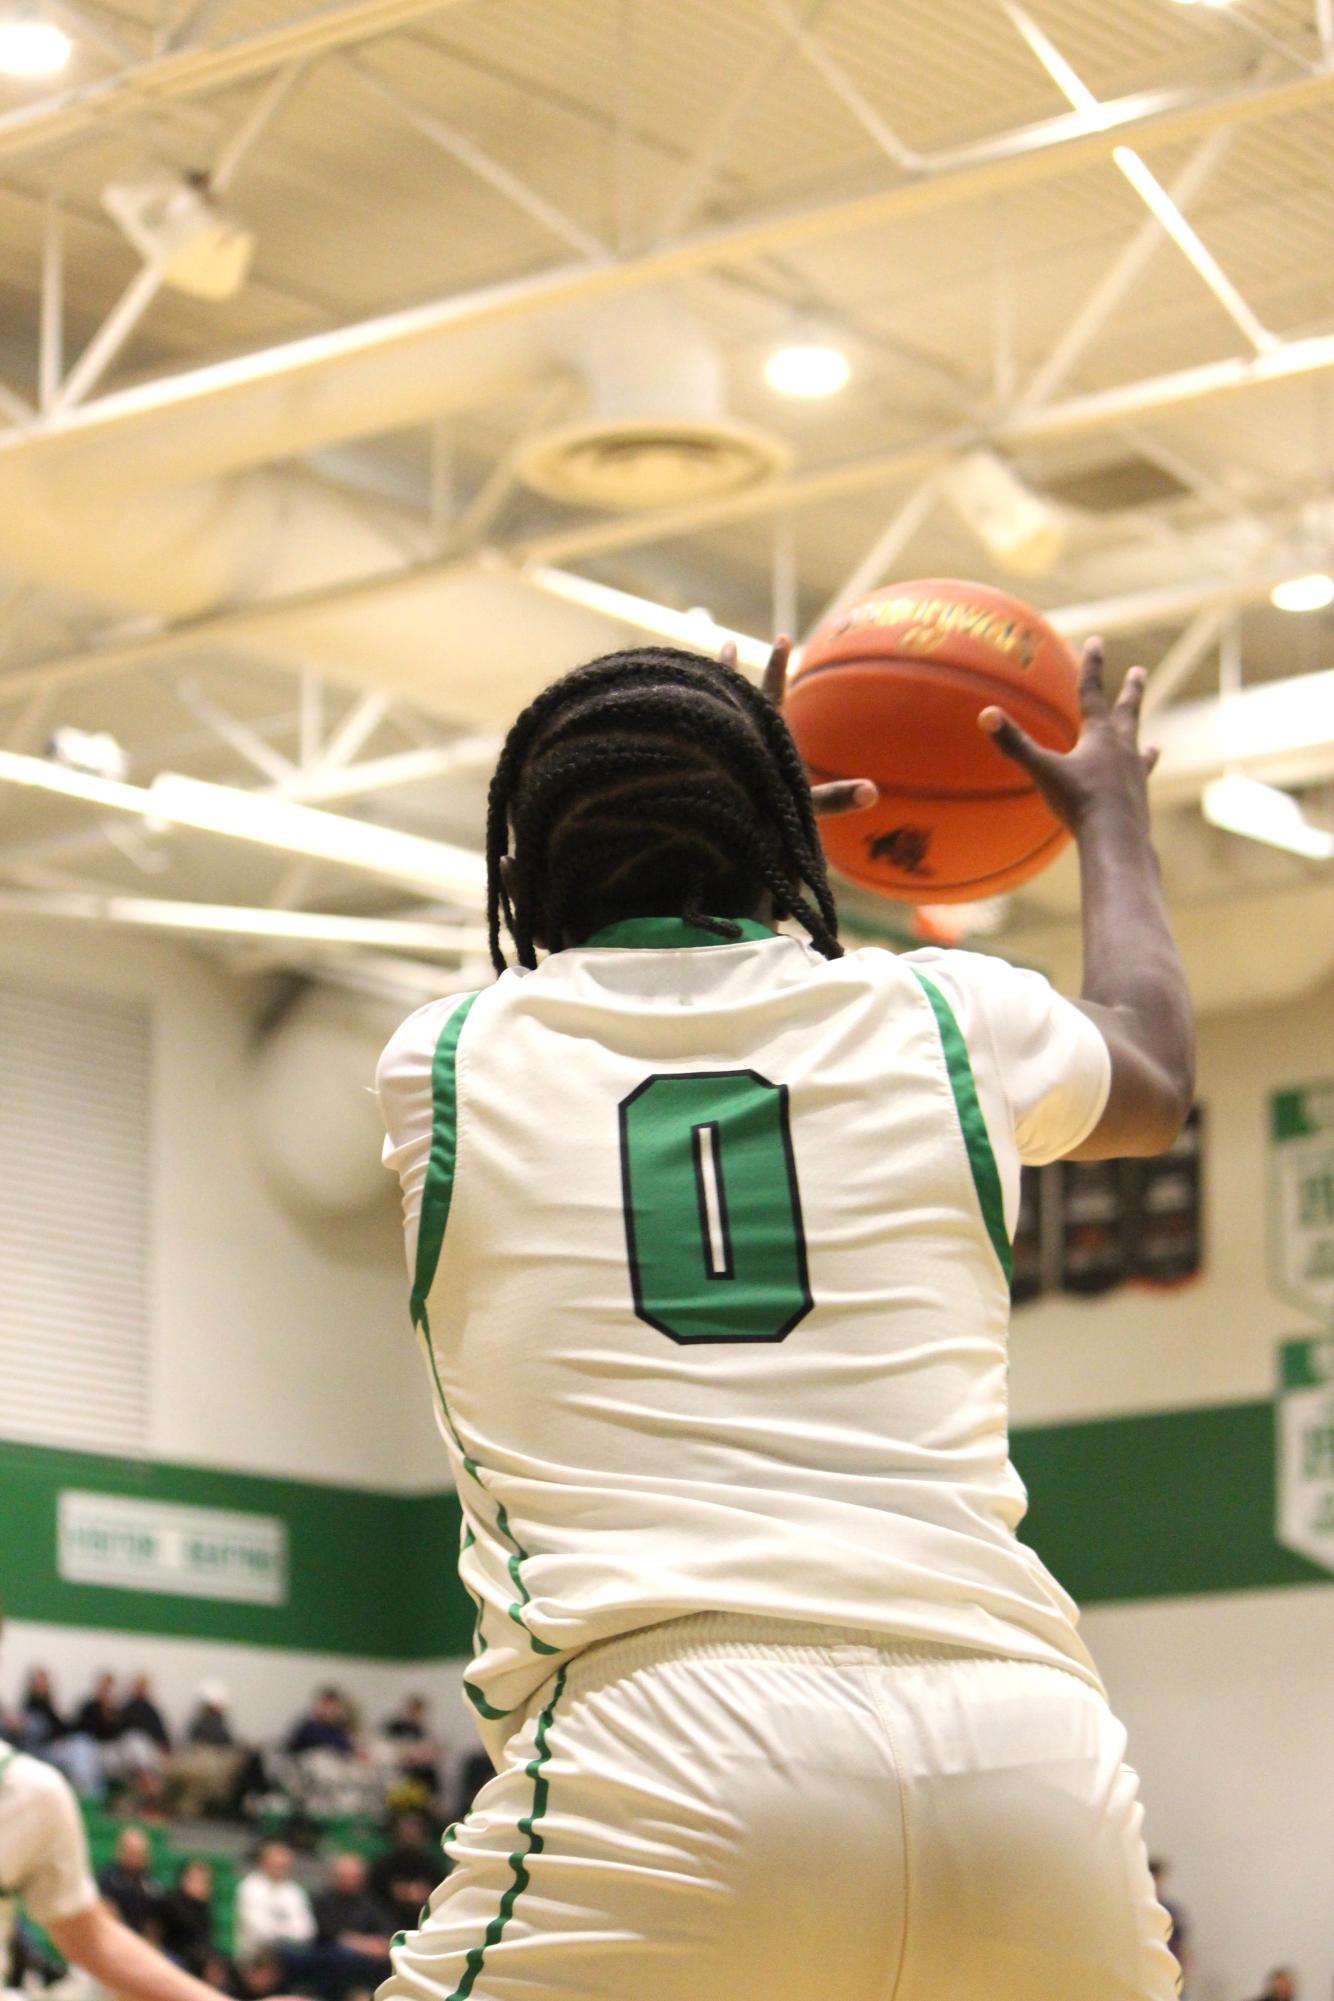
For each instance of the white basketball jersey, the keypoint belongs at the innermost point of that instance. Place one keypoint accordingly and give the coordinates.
(43, 1848)
(709, 1246)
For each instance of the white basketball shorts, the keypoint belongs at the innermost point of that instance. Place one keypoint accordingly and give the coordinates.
(734, 1809)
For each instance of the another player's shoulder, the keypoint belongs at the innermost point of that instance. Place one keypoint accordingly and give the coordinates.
(35, 1783)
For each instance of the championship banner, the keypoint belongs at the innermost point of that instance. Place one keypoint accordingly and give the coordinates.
(1301, 1211)
(1305, 1448)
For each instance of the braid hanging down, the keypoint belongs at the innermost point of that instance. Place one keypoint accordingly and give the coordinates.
(650, 783)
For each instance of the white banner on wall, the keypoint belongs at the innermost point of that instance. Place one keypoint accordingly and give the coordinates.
(1301, 1151)
(1306, 1448)
(135, 1545)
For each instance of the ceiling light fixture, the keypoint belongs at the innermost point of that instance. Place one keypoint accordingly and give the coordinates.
(1310, 593)
(807, 368)
(436, 867)
(1242, 805)
(309, 927)
(30, 46)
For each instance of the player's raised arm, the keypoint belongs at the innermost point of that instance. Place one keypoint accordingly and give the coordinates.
(1134, 984)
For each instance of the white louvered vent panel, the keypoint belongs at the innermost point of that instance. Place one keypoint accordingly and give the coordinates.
(74, 1126)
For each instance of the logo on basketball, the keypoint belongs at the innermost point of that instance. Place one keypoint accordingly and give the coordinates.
(904, 848)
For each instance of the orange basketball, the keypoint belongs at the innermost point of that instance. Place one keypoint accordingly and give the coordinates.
(890, 688)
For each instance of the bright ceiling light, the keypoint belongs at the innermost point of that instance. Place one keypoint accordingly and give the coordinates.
(436, 867)
(1311, 593)
(807, 368)
(32, 47)
(1243, 805)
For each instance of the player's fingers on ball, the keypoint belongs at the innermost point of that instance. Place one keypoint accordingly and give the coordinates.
(727, 653)
(1151, 758)
(844, 795)
(1007, 736)
(775, 674)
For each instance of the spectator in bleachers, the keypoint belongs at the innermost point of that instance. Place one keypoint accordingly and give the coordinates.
(42, 1730)
(1281, 1985)
(141, 1716)
(40, 1723)
(257, 1976)
(271, 1909)
(404, 1878)
(323, 1728)
(187, 1922)
(352, 1928)
(100, 1716)
(130, 1887)
(1178, 1940)
(408, 1730)
(211, 1722)
(209, 1768)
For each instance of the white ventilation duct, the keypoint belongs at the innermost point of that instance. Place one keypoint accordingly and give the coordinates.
(656, 433)
(139, 503)
(313, 1121)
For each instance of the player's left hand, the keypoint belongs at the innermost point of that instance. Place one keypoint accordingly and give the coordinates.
(842, 795)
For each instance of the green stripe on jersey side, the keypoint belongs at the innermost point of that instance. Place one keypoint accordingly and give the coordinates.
(437, 1196)
(981, 1159)
(519, 1860)
(439, 1189)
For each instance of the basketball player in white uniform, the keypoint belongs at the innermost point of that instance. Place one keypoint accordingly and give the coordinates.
(709, 1229)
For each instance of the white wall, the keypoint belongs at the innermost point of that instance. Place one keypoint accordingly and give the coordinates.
(1212, 1341)
(1229, 1702)
(279, 1344)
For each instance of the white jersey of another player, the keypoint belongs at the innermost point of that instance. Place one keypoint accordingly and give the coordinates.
(43, 1849)
(709, 1245)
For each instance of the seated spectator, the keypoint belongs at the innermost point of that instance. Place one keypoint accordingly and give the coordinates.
(40, 1723)
(1281, 1985)
(352, 1928)
(209, 1772)
(44, 1732)
(141, 1716)
(145, 1796)
(404, 1878)
(408, 1730)
(1178, 1939)
(323, 1728)
(128, 1885)
(211, 1723)
(257, 1976)
(271, 1910)
(187, 1921)
(100, 1717)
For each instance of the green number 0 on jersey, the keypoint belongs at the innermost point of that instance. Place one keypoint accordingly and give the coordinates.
(712, 1209)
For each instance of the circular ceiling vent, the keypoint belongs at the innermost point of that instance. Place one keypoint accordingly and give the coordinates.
(650, 462)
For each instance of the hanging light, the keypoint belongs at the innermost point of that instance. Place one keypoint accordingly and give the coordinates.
(1310, 593)
(1262, 812)
(807, 368)
(30, 46)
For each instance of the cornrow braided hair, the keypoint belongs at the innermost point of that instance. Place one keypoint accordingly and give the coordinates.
(651, 783)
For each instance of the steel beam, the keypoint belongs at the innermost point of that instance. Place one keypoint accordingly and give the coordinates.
(189, 71)
(1057, 146)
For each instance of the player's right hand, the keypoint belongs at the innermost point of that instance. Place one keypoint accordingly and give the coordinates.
(841, 795)
(1105, 766)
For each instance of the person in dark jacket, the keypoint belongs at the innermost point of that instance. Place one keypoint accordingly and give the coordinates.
(187, 1921)
(141, 1715)
(129, 1886)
